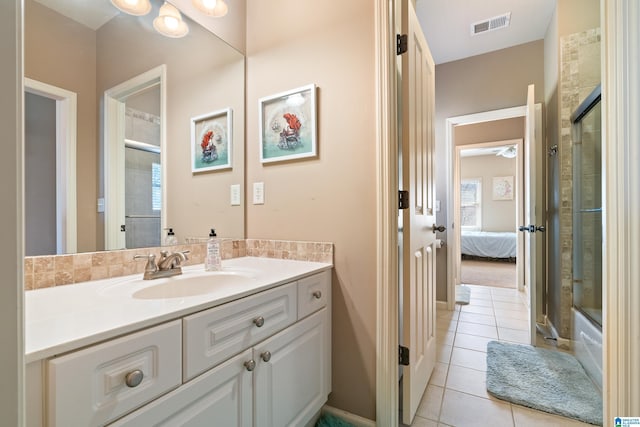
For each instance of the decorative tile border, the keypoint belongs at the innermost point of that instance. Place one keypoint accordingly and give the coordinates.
(57, 270)
(575, 82)
(284, 249)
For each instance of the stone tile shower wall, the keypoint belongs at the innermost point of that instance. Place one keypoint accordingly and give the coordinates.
(57, 270)
(579, 75)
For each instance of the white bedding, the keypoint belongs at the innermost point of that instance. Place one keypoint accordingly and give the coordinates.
(489, 244)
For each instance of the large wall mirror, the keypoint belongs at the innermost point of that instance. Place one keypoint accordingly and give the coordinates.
(109, 148)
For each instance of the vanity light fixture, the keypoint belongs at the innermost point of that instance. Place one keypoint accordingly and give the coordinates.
(215, 8)
(169, 22)
(133, 7)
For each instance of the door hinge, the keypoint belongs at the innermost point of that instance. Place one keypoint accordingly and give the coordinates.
(401, 43)
(403, 355)
(403, 199)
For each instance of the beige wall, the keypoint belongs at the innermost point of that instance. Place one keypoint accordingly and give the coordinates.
(481, 83)
(62, 53)
(497, 215)
(496, 130)
(332, 197)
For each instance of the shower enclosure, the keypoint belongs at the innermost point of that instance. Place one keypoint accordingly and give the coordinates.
(587, 235)
(587, 208)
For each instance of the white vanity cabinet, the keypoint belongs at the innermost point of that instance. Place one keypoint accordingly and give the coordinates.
(260, 360)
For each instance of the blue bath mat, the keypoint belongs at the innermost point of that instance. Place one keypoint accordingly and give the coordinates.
(330, 420)
(463, 294)
(546, 380)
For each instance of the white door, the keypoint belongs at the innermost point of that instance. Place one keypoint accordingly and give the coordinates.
(532, 211)
(418, 178)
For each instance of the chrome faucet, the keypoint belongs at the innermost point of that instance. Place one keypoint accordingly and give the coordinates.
(168, 265)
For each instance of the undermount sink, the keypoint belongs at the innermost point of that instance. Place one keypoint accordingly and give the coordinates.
(191, 285)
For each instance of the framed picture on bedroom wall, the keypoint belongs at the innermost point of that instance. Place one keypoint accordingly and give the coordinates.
(503, 188)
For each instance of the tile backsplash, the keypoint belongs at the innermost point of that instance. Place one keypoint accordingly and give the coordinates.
(56, 270)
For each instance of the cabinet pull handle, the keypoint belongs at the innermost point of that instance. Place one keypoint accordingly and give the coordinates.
(259, 321)
(317, 294)
(266, 356)
(250, 365)
(134, 378)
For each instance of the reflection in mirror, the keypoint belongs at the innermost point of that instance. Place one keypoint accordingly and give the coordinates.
(88, 54)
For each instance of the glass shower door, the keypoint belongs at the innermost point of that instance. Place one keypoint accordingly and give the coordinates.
(587, 209)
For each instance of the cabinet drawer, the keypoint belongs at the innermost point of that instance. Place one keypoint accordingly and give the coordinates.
(89, 387)
(214, 335)
(313, 293)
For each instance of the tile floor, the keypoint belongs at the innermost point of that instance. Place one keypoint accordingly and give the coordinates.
(457, 394)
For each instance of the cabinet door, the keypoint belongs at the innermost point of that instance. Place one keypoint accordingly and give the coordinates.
(291, 374)
(221, 397)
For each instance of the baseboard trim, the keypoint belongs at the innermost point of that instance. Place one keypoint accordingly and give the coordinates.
(356, 420)
(441, 305)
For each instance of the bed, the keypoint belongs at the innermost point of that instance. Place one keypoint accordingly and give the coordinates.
(488, 244)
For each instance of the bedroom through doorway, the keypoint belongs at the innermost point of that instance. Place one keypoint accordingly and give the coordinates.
(490, 203)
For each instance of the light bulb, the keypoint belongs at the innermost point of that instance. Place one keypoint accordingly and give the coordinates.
(133, 7)
(171, 22)
(215, 8)
(209, 4)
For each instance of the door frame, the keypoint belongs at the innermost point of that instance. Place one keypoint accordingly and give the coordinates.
(114, 153)
(453, 264)
(387, 183)
(66, 121)
(519, 184)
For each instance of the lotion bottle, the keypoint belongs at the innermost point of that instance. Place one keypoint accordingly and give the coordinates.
(213, 260)
(170, 239)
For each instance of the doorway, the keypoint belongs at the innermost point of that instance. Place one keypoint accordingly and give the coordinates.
(134, 143)
(453, 212)
(50, 169)
(489, 202)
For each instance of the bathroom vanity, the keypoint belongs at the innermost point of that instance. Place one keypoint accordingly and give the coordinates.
(248, 346)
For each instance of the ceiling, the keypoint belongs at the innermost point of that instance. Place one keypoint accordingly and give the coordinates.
(90, 13)
(447, 25)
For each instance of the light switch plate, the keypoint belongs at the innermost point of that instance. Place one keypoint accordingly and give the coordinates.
(437, 205)
(258, 193)
(235, 194)
(101, 204)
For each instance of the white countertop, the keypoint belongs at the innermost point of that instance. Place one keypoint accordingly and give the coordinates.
(65, 318)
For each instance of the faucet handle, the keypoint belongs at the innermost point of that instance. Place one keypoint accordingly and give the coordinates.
(151, 262)
(186, 254)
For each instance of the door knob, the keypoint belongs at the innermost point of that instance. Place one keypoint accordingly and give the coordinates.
(259, 321)
(266, 356)
(532, 228)
(439, 228)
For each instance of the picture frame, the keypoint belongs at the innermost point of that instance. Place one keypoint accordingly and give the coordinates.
(288, 126)
(211, 141)
(502, 188)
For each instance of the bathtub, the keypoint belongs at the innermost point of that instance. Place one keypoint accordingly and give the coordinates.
(587, 346)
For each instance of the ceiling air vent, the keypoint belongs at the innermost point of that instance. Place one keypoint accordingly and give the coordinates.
(491, 24)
